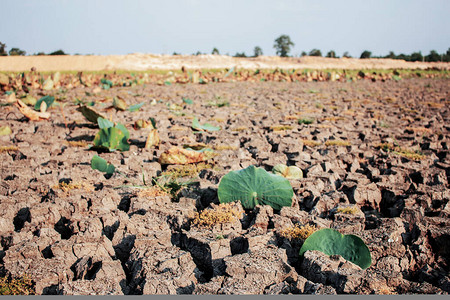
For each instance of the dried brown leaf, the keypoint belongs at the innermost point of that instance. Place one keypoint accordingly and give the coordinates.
(180, 156)
(31, 114)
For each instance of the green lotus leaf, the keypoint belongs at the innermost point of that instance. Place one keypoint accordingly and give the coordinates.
(332, 242)
(98, 163)
(255, 186)
(291, 172)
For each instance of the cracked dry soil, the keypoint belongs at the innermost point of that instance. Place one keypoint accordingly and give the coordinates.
(106, 237)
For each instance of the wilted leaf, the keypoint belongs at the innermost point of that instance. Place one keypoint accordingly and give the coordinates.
(31, 114)
(90, 114)
(5, 130)
(136, 107)
(48, 84)
(4, 79)
(152, 139)
(291, 172)
(180, 156)
(48, 101)
(11, 97)
(29, 100)
(43, 107)
(56, 77)
(119, 103)
(141, 123)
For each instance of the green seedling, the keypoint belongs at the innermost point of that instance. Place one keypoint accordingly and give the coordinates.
(332, 242)
(106, 84)
(188, 101)
(305, 121)
(98, 163)
(135, 107)
(291, 172)
(111, 137)
(255, 186)
(47, 99)
(205, 127)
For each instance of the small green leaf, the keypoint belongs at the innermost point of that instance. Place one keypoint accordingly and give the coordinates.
(188, 101)
(104, 123)
(98, 163)
(332, 242)
(135, 107)
(255, 186)
(205, 127)
(106, 84)
(47, 99)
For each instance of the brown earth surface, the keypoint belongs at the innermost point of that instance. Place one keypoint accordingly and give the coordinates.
(381, 148)
(170, 62)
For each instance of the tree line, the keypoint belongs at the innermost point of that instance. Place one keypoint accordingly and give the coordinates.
(283, 45)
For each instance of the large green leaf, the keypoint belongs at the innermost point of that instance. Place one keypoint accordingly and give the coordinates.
(98, 163)
(332, 242)
(253, 186)
(111, 138)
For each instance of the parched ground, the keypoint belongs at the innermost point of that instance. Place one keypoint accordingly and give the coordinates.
(378, 148)
(142, 62)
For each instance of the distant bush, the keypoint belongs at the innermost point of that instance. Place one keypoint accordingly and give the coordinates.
(366, 54)
(58, 52)
(16, 52)
(315, 52)
(257, 51)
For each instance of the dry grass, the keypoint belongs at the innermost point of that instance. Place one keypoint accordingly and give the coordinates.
(298, 232)
(351, 210)
(281, 127)
(421, 130)
(77, 143)
(188, 170)
(8, 148)
(403, 152)
(311, 143)
(242, 128)
(339, 143)
(16, 286)
(223, 213)
(225, 147)
(152, 192)
(67, 187)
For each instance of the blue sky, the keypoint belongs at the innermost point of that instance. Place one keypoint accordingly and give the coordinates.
(187, 26)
